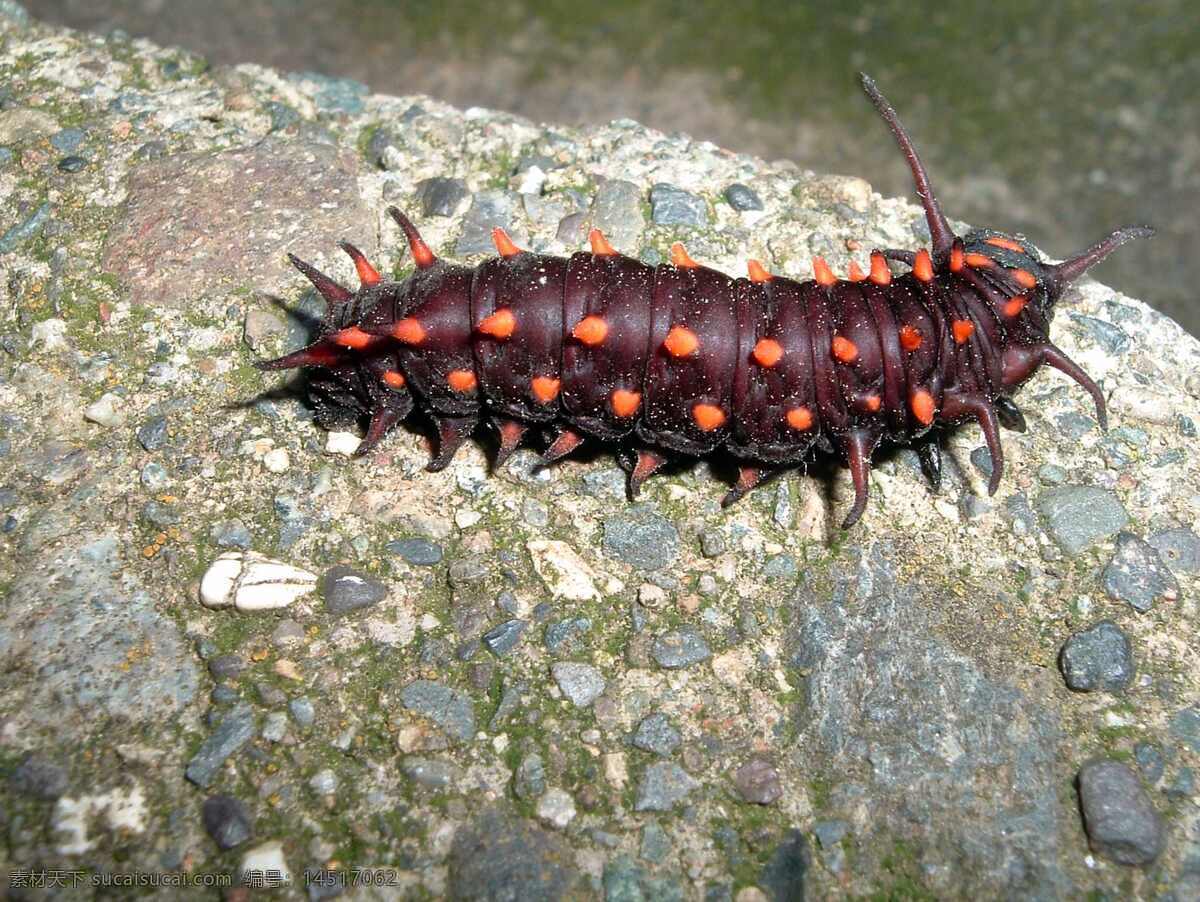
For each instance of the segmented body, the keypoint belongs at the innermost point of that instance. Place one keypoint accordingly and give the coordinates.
(680, 359)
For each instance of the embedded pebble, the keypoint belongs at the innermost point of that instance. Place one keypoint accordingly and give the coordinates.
(1185, 726)
(617, 211)
(418, 552)
(152, 434)
(1137, 576)
(556, 807)
(582, 684)
(1179, 549)
(1078, 516)
(670, 205)
(347, 590)
(529, 781)
(253, 582)
(562, 634)
(276, 460)
(343, 443)
(742, 198)
(641, 538)
(502, 639)
(274, 726)
(324, 782)
(1119, 818)
(227, 821)
(108, 410)
(757, 781)
(656, 734)
(235, 730)
(231, 534)
(262, 859)
(302, 711)
(39, 777)
(1150, 761)
(1098, 659)
(450, 709)
(440, 196)
(563, 570)
(663, 786)
(431, 772)
(680, 648)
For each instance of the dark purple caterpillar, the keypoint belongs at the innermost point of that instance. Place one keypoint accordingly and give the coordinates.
(681, 359)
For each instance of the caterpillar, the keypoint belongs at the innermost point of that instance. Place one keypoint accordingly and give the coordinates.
(680, 360)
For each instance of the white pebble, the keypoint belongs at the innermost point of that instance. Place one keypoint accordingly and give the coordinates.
(556, 808)
(277, 461)
(252, 582)
(465, 519)
(51, 334)
(651, 596)
(344, 443)
(107, 410)
(267, 857)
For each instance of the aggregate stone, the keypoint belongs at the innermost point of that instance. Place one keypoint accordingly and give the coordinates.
(39, 777)
(28, 228)
(785, 874)
(1099, 658)
(757, 781)
(641, 538)
(302, 711)
(1185, 726)
(562, 634)
(529, 781)
(152, 434)
(450, 709)
(324, 782)
(347, 590)
(1079, 516)
(742, 198)
(1120, 820)
(670, 205)
(656, 843)
(500, 640)
(226, 667)
(581, 683)
(556, 807)
(663, 785)
(488, 210)
(274, 726)
(830, 832)
(416, 551)
(227, 821)
(1182, 786)
(1179, 549)
(617, 212)
(231, 534)
(71, 164)
(1137, 576)
(431, 772)
(655, 734)
(500, 856)
(441, 196)
(680, 648)
(235, 730)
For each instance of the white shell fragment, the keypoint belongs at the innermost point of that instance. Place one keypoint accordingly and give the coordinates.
(252, 582)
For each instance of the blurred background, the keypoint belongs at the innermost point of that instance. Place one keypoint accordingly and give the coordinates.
(1059, 120)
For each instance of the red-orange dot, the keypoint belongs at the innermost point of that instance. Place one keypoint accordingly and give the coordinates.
(504, 244)
(910, 338)
(767, 352)
(963, 330)
(600, 245)
(681, 342)
(591, 330)
(757, 272)
(872, 403)
(708, 416)
(979, 261)
(1025, 278)
(545, 388)
(393, 379)
(679, 257)
(880, 274)
(956, 257)
(800, 418)
(625, 403)
(499, 325)
(854, 272)
(353, 337)
(1014, 306)
(461, 380)
(844, 349)
(822, 273)
(1006, 243)
(409, 331)
(923, 266)
(922, 406)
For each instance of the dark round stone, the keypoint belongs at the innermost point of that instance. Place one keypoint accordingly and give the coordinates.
(71, 164)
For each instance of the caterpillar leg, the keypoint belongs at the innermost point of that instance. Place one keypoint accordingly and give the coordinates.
(748, 478)
(382, 420)
(1063, 363)
(564, 443)
(980, 408)
(511, 432)
(641, 465)
(929, 454)
(452, 432)
(860, 445)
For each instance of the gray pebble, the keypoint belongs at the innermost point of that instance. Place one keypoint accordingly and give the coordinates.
(432, 773)
(1099, 658)
(663, 785)
(1179, 549)
(742, 198)
(287, 632)
(780, 567)
(529, 781)
(68, 140)
(982, 459)
(449, 709)
(680, 648)
(1112, 338)
(562, 634)
(152, 434)
(1185, 726)
(26, 229)
(757, 781)
(226, 667)
(71, 164)
(656, 843)
(156, 513)
(1120, 821)
(324, 782)
(606, 483)
(655, 734)
(270, 696)
(670, 205)
(418, 552)
(302, 711)
(581, 683)
(1149, 758)
(227, 821)
(502, 639)
(1078, 516)
(1052, 474)
(641, 538)
(231, 534)
(39, 777)
(1137, 575)
(347, 590)
(235, 730)
(441, 196)
(467, 570)
(712, 542)
(1182, 786)
(488, 210)
(154, 476)
(830, 833)
(617, 211)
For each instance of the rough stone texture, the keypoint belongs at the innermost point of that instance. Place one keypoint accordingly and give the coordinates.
(912, 713)
(1137, 575)
(1121, 822)
(203, 223)
(348, 590)
(1098, 658)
